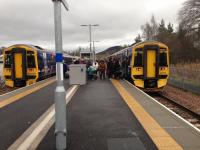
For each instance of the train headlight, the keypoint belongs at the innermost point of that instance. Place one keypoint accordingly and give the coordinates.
(162, 68)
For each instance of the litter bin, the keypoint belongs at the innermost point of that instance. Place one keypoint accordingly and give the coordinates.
(77, 74)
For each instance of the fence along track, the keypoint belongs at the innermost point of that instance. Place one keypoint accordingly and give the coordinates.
(186, 78)
(182, 84)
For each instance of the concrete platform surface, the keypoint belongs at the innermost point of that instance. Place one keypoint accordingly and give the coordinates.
(98, 119)
(102, 115)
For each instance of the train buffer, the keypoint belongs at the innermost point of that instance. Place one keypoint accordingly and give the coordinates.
(101, 115)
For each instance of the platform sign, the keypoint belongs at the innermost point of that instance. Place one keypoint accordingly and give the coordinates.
(59, 57)
(85, 55)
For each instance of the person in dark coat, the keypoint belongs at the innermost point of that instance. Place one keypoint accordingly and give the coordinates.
(110, 68)
(65, 70)
(117, 69)
(76, 61)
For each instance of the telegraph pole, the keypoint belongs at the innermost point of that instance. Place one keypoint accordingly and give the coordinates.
(94, 53)
(60, 104)
(90, 38)
(90, 32)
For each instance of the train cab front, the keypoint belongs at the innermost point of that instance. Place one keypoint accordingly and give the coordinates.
(150, 67)
(17, 63)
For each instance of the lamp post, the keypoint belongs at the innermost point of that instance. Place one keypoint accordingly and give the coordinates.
(90, 36)
(60, 104)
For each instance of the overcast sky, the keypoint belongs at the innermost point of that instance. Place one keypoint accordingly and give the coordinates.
(31, 21)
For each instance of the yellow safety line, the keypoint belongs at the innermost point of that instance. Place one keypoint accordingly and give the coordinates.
(17, 97)
(159, 136)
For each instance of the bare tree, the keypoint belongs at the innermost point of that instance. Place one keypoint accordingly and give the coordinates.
(150, 30)
(146, 29)
(154, 27)
(138, 39)
(1, 50)
(189, 14)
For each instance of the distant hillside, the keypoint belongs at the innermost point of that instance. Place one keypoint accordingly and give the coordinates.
(111, 50)
(108, 51)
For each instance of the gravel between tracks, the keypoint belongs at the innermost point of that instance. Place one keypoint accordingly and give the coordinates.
(6, 90)
(187, 99)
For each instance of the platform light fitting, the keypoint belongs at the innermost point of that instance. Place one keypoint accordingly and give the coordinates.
(65, 4)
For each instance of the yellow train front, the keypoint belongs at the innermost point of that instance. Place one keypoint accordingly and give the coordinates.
(150, 65)
(146, 64)
(26, 64)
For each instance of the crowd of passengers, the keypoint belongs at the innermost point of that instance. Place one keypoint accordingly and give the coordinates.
(103, 69)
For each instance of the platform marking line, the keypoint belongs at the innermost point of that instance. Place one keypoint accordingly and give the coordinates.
(32, 137)
(18, 97)
(158, 135)
(178, 116)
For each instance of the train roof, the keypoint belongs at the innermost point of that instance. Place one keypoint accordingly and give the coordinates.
(27, 45)
(145, 42)
(35, 47)
(138, 44)
(40, 49)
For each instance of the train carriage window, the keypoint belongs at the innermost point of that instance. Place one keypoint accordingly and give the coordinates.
(31, 61)
(40, 60)
(138, 58)
(49, 59)
(163, 59)
(8, 61)
(67, 60)
(40, 63)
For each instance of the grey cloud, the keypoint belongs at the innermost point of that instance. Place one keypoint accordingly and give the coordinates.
(119, 20)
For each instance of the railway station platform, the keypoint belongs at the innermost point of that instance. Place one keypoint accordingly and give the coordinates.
(101, 115)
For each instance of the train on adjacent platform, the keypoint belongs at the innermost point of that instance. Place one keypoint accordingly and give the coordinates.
(26, 64)
(146, 64)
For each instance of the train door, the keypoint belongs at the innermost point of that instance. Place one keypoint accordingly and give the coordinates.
(45, 64)
(18, 65)
(151, 63)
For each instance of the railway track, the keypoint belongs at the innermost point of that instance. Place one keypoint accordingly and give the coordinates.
(5, 89)
(184, 112)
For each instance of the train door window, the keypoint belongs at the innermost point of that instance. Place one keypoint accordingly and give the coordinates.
(138, 58)
(53, 61)
(31, 60)
(44, 59)
(163, 58)
(48, 59)
(7, 61)
(129, 60)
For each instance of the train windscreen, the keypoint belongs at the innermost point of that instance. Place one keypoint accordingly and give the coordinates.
(8, 61)
(31, 61)
(138, 58)
(163, 58)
